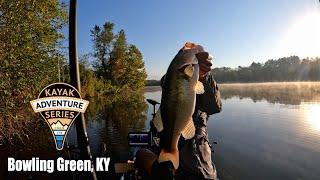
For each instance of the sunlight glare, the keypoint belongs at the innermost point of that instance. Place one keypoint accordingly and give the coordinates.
(303, 37)
(312, 113)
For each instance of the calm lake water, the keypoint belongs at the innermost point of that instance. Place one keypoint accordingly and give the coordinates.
(258, 139)
(269, 131)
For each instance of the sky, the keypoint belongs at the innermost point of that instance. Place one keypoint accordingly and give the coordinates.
(235, 32)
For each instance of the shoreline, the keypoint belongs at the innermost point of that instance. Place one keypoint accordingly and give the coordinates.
(152, 88)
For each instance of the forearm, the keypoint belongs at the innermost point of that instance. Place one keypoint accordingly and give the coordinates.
(210, 101)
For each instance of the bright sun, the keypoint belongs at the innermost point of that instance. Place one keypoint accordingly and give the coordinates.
(302, 37)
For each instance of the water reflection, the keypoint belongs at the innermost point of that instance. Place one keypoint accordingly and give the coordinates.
(110, 124)
(273, 131)
(283, 93)
(312, 114)
(266, 131)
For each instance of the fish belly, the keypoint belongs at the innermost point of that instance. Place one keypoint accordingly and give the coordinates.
(176, 113)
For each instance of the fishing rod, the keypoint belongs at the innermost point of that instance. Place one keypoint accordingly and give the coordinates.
(82, 136)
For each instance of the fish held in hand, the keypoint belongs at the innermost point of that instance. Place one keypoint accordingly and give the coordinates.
(179, 90)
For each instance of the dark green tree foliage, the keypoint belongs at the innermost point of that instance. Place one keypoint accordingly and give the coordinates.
(119, 62)
(29, 44)
(103, 41)
(31, 57)
(96, 89)
(136, 73)
(120, 66)
(283, 69)
(30, 52)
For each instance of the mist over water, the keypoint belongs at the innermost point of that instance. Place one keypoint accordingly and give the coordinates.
(260, 140)
(266, 131)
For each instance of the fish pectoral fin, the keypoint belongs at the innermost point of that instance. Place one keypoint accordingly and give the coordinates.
(188, 70)
(157, 121)
(189, 130)
(199, 88)
(172, 156)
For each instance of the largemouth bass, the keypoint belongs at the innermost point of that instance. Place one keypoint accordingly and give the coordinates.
(179, 89)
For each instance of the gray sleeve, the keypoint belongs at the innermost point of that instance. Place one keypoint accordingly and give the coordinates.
(210, 101)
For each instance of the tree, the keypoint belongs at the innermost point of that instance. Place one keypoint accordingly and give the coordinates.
(103, 40)
(118, 61)
(136, 73)
(117, 65)
(30, 51)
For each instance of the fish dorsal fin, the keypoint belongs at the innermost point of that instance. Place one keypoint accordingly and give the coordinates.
(157, 121)
(199, 88)
(189, 130)
(188, 70)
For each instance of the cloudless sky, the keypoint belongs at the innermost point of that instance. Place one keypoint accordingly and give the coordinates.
(236, 32)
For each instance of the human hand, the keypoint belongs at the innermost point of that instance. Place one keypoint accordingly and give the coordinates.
(144, 160)
(205, 64)
(204, 58)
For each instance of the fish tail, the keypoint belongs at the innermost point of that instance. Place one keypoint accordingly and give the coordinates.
(172, 155)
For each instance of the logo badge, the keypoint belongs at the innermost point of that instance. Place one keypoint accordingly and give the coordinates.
(59, 104)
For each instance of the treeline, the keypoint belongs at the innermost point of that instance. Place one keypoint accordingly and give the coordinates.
(32, 56)
(153, 82)
(284, 69)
